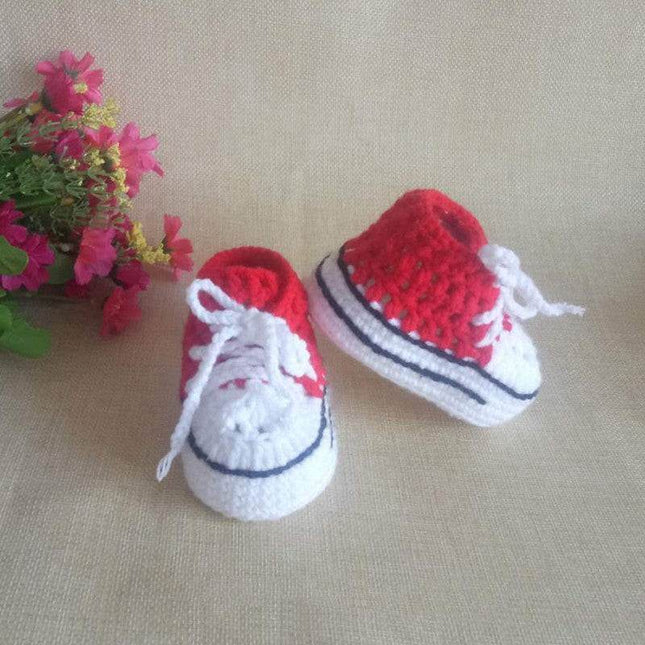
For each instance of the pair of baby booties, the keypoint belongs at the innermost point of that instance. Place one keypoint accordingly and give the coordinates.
(420, 297)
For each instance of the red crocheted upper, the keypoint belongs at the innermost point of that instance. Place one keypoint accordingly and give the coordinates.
(260, 278)
(420, 262)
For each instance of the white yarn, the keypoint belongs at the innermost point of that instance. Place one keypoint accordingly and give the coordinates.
(258, 347)
(266, 498)
(511, 280)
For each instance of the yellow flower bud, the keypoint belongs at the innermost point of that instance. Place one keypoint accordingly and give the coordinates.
(33, 108)
(145, 253)
(94, 116)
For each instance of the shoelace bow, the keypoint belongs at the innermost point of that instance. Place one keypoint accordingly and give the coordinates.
(268, 347)
(511, 281)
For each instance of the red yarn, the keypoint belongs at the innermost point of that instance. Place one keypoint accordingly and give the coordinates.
(260, 278)
(419, 260)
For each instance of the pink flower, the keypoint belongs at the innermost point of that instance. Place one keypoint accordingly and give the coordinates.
(123, 226)
(35, 246)
(120, 309)
(70, 145)
(70, 83)
(35, 274)
(103, 138)
(179, 248)
(96, 255)
(136, 157)
(132, 274)
(44, 145)
(13, 233)
(15, 103)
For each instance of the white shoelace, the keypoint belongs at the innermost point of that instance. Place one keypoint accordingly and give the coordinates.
(512, 280)
(257, 345)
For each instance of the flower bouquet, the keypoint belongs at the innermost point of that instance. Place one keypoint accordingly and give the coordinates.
(67, 180)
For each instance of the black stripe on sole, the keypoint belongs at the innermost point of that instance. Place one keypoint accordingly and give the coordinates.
(259, 474)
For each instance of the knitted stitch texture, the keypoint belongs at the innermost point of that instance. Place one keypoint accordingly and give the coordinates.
(419, 261)
(423, 299)
(260, 278)
(255, 433)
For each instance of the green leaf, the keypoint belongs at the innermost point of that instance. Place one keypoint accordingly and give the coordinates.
(62, 270)
(6, 318)
(13, 261)
(21, 338)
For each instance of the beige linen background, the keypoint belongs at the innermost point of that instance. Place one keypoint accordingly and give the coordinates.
(293, 125)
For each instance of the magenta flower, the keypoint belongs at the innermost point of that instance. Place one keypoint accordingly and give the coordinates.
(179, 248)
(103, 138)
(132, 274)
(35, 246)
(120, 309)
(35, 274)
(136, 156)
(96, 255)
(70, 83)
(13, 233)
(14, 103)
(70, 145)
(45, 144)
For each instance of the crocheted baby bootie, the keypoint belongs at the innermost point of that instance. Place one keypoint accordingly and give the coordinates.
(255, 431)
(425, 301)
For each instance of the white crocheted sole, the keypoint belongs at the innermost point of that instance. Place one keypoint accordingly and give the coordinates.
(482, 397)
(269, 493)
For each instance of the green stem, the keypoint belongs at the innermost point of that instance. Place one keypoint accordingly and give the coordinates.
(27, 295)
(12, 118)
(47, 200)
